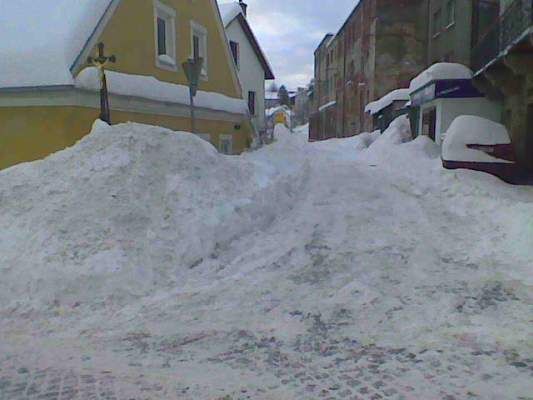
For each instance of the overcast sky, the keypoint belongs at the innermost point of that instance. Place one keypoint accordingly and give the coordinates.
(290, 30)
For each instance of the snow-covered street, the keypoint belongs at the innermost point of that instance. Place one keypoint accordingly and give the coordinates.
(141, 264)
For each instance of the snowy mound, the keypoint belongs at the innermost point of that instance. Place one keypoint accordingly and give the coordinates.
(398, 132)
(468, 129)
(395, 150)
(387, 100)
(127, 210)
(440, 71)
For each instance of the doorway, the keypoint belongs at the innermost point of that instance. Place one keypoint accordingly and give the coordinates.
(429, 123)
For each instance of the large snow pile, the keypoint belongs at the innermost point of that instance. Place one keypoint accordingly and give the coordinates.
(469, 129)
(151, 88)
(387, 100)
(41, 39)
(440, 71)
(128, 209)
(324, 268)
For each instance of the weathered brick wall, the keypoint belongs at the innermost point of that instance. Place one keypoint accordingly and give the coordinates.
(400, 44)
(380, 47)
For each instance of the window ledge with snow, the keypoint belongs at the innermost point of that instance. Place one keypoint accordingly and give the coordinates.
(166, 62)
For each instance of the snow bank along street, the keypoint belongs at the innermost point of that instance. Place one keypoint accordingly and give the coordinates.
(142, 264)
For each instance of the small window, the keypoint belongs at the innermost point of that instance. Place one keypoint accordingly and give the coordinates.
(226, 144)
(235, 52)
(450, 12)
(437, 22)
(161, 37)
(165, 36)
(199, 47)
(251, 102)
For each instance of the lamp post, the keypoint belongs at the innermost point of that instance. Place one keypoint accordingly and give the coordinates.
(100, 62)
(193, 70)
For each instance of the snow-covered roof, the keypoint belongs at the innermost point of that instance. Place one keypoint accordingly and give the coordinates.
(274, 110)
(469, 129)
(271, 95)
(327, 105)
(387, 100)
(230, 11)
(40, 40)
(440, 71)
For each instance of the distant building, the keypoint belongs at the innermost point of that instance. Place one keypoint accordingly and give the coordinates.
(379, 48)
(301, 106)
(250, 61)
(272, 98)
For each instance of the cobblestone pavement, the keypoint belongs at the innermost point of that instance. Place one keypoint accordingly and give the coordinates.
(314, 366)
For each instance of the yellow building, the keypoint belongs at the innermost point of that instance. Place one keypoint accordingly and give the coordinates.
(49, 94)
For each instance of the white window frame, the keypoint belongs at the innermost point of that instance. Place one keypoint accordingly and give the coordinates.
(201, 32)
(224, 138)
(168, 61)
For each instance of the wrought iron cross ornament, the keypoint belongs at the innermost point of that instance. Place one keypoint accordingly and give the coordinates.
(100, 62)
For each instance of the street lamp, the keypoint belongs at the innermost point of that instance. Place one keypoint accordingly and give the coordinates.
(193, 70)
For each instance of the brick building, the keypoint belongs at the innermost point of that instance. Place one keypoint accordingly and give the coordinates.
(380, 47)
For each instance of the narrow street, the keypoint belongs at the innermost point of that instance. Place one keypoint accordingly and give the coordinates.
(374, 283)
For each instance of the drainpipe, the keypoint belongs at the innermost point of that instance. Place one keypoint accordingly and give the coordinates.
(344, 86)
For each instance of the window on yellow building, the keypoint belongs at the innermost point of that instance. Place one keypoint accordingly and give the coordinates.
(199, 47)
(165, 36)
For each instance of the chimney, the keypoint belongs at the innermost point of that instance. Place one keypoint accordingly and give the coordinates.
(244, 7)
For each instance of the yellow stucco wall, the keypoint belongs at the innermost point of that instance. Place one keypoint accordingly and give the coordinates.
(31, 133)
(135, 47)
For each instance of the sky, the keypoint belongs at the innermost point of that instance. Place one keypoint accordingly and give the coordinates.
(289, 31)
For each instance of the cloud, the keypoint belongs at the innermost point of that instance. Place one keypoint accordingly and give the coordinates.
(290, 30)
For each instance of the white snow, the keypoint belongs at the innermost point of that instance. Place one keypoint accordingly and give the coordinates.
(469, 129)
(184, 273)
(440, 71)
(229, 11)
(274, 110)
(41, 39)
(387, 100)
(149, 87)
(327, 105)
(271, 95)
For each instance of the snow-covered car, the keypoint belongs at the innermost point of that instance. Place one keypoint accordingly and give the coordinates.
(479, 144)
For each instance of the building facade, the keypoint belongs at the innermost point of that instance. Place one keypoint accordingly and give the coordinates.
(380, 47)
(450, 31)
(250, 61)
(503, 62)
(47, 106)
